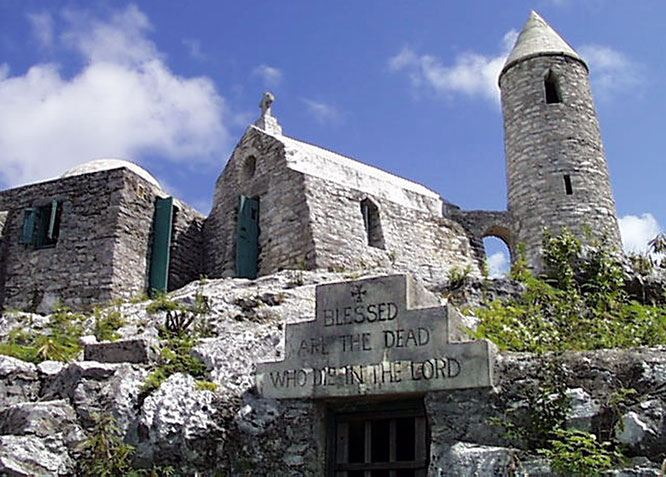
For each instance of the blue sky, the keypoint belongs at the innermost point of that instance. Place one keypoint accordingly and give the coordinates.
(409, 87)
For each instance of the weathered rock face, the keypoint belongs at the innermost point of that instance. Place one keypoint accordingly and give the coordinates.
(36, 438)
(178, 421)
(28, 456)
(18, 381)
(46, 410)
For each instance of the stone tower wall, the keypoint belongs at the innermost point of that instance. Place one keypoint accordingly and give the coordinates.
(543, 143)
(285, 240)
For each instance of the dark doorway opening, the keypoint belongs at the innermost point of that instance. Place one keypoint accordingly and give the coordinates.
(247, 238)
(382, 440)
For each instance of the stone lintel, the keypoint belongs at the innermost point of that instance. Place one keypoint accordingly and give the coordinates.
(126, 351)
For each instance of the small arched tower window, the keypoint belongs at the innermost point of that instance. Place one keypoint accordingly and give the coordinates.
(567, 184)
(373, 226)
(249, 167)
(552, 88)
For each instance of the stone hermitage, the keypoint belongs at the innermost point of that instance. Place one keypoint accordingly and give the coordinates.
(383, 335)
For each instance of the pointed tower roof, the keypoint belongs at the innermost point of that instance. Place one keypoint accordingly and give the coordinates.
(538, 38)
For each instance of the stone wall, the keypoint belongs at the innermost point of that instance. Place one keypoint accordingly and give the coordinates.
(546, 142)
(258, 169)
(78, 270)
(186, 263)
(103, 249)
(132, 233)
(3, 252)
(415, 241)
(134, 236)
(479, 224)
(466, 432)
(310, 214)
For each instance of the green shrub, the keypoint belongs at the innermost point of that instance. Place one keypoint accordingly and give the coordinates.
(162, 303)
(107, 323)
(578, 304)
(206, 386)
(103, 453)
(575, 452)
(542, 429)
(59, 340)
(175, 357)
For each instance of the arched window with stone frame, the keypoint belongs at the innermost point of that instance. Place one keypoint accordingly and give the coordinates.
(372, 223)
(552, 89)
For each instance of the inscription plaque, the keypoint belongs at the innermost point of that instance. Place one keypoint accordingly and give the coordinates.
(381, 335)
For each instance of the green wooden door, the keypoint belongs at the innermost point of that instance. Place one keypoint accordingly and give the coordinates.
(160, 257)
(247, 238)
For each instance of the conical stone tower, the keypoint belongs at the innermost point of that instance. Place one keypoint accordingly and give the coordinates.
(556, 170)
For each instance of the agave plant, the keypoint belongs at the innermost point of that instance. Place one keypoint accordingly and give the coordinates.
(658, 244)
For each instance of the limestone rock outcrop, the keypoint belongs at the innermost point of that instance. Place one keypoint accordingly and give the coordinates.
(218, 423)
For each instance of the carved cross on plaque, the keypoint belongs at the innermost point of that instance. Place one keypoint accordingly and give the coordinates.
(357, 293)
(382, 335)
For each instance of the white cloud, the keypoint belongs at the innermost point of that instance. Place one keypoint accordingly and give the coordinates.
(471, 74)
(42, 28)
(475, 75)
(637, 231)
(270, 75)
(194, 48)
(125, 102)
(498, 265)
(322, 112)
(611, 72)
(4, 71)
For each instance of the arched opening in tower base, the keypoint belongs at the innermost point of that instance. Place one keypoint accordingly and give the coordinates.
(497, 242)
(498, 257)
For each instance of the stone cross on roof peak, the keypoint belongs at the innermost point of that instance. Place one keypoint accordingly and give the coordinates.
(267, 122)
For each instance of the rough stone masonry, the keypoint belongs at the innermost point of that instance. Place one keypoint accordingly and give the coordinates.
(315, 209)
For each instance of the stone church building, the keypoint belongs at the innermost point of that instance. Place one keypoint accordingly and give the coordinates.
(106, 229)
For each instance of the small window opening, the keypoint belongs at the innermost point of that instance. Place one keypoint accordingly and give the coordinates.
(567, 184)
(41, 225)
(249, 167)
(3, 221)
(552, 89)
(384, 441)
(372, 223)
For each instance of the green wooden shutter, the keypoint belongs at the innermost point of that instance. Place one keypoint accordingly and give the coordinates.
(247, 238)
(52, 219)
(29, 222)
(159, 260)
